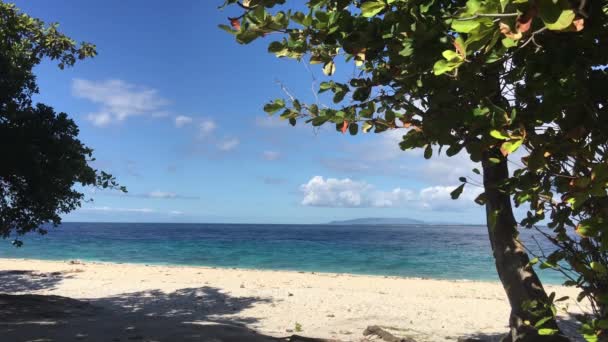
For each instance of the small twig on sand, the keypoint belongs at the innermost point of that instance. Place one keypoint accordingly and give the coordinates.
(385, 335)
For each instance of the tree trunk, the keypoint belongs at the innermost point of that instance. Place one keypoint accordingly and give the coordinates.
(520, 282)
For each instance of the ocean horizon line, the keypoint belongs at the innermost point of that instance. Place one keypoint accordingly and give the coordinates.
(411, 251)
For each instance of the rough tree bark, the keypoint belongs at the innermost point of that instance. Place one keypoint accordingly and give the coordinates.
(520, 282)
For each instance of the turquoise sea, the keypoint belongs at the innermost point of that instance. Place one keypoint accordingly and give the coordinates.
(429, 251)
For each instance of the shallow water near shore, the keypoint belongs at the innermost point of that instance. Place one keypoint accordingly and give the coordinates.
(426, 251)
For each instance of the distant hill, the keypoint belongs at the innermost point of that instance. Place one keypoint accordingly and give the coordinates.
(378, 221)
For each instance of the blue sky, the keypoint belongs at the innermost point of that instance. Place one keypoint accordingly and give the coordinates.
(172, 106)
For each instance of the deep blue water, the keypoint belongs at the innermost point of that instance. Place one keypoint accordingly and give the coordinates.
(432, 251)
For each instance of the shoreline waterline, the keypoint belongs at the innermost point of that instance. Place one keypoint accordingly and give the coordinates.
(76, 262)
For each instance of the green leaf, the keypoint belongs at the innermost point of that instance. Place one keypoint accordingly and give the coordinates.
(329, 68)
(443, 66)
(556, 14)
(481, 199)
(353, 129)
(247, 36)
(587, 228)
(451, 56)
(547, 331)
(457, 192)
(428, 152)
(453, 149)
(533, 262)
(494, 160)
(509, 147)
(371, 8)
(598, 268)
(563, 21)
(274, 107)
(509, 43)
(361, 94)
(465, 26)
(499, 135)
(407, 50)
(545, 265)
(542, 321)
(324, 86)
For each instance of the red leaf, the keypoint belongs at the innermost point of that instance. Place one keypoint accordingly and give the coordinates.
(579, 24)
(523, 24)
(524, 21)
(235, 23)
(344, 127)
(459, 49)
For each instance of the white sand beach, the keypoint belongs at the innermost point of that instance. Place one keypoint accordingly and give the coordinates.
(125, 302)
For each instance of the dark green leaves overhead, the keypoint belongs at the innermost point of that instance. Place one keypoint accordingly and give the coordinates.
(457, 192)
(44, 164)
(506, 82)
(372, 7)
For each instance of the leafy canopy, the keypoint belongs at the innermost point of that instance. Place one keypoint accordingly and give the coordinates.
(483, 77)
(42, 158)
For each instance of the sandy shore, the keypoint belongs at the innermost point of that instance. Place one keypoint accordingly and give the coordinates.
(123, 302)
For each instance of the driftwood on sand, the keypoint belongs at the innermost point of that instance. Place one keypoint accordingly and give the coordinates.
(385, 335)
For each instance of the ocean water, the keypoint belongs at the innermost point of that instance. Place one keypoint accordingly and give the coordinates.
(428, 251)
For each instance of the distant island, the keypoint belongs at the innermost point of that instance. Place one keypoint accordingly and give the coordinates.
(378, 221)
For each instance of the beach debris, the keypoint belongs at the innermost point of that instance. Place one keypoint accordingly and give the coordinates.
(298, 338)
(331, 315)
(289, 294)
(242, 286)
(75, 262)
(385, 335)
(298, 327)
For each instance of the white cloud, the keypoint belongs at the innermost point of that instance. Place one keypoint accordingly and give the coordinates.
(157, 194)
(182, 120)
(118, 100)
(271, 155)
(381, 155)
(441, 169)
(161, 194)
(206, 127)
(176, 212)
(346, 193)
(269, 122)
(121, 210)
(228, 144)
(439, 197)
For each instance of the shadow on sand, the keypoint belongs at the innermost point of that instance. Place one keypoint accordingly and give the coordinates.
(193, 314)
(190, 314)
(569, 326)
(15, 281)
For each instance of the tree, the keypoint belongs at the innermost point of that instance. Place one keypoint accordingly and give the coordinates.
(482, 77)
(42, 158)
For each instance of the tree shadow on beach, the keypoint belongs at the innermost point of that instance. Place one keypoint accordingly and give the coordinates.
(190, 314)
(16, 281)
(568, 324)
